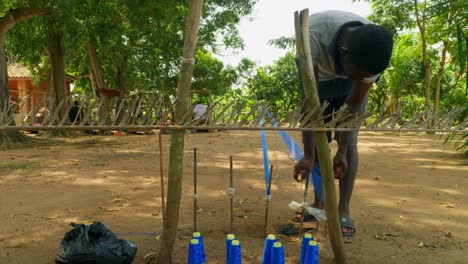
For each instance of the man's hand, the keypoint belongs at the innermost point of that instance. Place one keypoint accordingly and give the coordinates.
(340, 164)
(303, 168)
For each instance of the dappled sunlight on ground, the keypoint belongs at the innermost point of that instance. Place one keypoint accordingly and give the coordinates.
(409, 202)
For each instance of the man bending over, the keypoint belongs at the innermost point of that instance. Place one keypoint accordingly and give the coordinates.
(348, 52)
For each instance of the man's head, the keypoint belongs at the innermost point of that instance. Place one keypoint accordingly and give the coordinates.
(366, 51)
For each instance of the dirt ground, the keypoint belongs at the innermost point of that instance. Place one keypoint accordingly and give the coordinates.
(409, 202)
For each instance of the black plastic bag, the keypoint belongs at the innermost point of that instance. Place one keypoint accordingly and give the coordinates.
(94, 244)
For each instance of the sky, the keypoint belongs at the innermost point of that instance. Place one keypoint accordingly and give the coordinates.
(275, 18)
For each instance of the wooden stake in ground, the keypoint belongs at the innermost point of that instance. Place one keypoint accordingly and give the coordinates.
(267, 202)
(195, 194)
(163, 201)
(306, 191)
(304, 58)
(231, 194)
(176, 157)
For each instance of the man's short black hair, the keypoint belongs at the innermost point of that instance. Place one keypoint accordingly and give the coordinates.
(370, 46)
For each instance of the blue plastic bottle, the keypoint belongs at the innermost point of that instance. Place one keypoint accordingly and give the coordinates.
(198, 236)
(269, 241)
(194, 256)
(235, 256)
(229, 239)
(277, 253)
(305, 241)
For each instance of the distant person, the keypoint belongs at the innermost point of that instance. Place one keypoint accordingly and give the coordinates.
(349, 53)
(199, 113)
(40, 118)
(74, 115)
(41, 115)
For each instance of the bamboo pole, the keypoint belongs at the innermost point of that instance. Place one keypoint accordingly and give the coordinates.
(176, 157)
(161, 168)
(231, 193)
(462, 128)
(267, 202)
(195, 194)
(311, 98)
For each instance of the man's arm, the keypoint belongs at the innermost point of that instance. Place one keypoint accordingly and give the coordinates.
(355, 103)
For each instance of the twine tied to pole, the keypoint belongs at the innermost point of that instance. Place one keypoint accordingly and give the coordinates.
(187, 60)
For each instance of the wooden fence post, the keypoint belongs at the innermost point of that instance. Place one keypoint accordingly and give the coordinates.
(176, 156)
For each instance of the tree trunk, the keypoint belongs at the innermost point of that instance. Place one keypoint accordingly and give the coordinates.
(421, 22)
(440, 74)
(104, 110)
(7, 139)
(176, 158)
(6, 23)
(93, 83)
(57, 78)
(443, 57)
(4, 91)
(121, 86)
(427, 88)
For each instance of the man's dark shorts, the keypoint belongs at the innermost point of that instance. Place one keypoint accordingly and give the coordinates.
(335, 92)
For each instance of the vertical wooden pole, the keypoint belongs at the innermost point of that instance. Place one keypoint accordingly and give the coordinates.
(306, 191)
(195, 194)
(22, 100)
(312, 99)
(161, 168)
(176, 157)
(267, 202)
(231, 192)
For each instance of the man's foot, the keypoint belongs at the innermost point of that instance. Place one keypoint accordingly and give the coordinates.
(347, 227)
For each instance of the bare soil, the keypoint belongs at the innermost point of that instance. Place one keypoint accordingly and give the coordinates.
(409, 202)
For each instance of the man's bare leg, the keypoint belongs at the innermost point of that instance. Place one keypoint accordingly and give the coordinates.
(347, 183)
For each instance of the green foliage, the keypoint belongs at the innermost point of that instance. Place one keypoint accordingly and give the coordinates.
(139, 42)
(210, 73)
(7, 5)
(460, 142)
(439, 21)
(277, 84)
(283, 42)
(406, 67)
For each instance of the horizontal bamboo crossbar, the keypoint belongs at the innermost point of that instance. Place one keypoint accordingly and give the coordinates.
(153, 112)
(224, 128)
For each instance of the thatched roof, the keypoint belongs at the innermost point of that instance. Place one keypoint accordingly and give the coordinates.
(18, 70)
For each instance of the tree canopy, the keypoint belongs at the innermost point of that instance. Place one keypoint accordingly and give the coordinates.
(137, 42)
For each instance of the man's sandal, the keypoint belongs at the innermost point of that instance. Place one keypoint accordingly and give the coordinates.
(347, 223)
